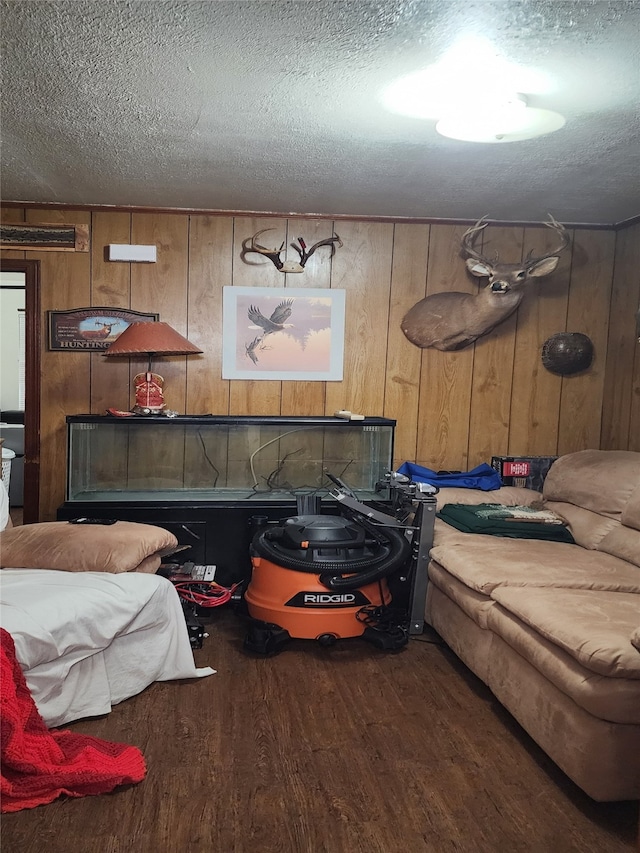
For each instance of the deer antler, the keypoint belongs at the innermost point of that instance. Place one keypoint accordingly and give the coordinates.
(305, 254)
(251, 245)
(530, 260)
(469, 238)
(272, 254)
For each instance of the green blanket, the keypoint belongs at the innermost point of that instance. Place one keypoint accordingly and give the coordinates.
(515, 522)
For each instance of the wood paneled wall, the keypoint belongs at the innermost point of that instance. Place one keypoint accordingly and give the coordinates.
(454, 410)
(621, 400)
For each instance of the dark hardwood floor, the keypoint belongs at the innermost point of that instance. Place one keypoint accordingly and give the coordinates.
(340, 750)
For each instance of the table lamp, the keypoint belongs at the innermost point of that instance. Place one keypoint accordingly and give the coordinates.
(150, 338)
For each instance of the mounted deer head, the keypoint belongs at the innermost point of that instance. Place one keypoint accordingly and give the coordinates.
(453, 320)
(250, 245)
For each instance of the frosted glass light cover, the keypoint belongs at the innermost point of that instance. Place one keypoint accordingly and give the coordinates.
(510, 125)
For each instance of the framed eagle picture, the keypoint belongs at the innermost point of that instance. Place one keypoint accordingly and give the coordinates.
(283, 333)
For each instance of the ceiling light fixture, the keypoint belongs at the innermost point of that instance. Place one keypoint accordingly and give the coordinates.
(494, 112)
(505, 120)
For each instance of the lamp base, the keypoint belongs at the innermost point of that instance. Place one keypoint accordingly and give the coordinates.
(147, 410)
(149, 394)
(118, 413)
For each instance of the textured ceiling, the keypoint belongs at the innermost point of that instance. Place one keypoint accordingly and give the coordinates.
(263, 105)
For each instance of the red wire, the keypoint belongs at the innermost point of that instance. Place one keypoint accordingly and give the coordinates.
(191, 591)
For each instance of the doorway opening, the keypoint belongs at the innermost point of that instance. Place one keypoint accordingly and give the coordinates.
(31, 386)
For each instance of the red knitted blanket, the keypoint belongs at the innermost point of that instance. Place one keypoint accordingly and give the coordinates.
(39, 765)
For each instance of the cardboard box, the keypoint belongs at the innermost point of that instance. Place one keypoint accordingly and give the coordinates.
(528, 472)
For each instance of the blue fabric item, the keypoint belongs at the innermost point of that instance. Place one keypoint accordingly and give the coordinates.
(482, 477)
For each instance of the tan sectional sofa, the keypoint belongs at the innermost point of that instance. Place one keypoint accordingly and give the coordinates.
(554, 628)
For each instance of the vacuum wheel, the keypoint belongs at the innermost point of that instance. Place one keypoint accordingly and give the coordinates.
(326, 640)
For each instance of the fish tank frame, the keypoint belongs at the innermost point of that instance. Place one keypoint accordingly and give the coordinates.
(217, 458)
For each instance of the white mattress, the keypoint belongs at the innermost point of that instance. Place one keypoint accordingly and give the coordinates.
(88, 640)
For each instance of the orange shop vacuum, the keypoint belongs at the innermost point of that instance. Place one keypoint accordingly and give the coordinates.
(324, 578)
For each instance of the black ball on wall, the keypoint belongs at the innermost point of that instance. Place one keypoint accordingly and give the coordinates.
(567, 353)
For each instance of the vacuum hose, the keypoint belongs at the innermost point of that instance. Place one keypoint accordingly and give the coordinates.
(391, 551)
(398, 554)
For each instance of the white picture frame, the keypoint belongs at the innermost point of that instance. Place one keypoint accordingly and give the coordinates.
(283, 333)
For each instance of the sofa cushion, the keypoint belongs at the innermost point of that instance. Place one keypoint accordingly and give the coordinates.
(616, 699)
(601, 757)
(121, 547)
(486, 562)
(602, 481)
(473, 603)
(595, 628)
(588, 528)
(631, 512)
(623, 542)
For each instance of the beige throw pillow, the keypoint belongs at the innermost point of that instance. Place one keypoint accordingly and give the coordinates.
(125, 546)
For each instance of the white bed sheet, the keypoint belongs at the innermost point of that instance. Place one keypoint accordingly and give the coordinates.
(88, 640)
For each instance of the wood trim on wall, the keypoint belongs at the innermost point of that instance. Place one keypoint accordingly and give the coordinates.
(270, 214)
(44, 237)
(627, 223)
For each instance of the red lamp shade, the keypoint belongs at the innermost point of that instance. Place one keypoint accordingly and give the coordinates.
(152, 339)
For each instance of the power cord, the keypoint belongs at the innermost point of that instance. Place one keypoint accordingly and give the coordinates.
(203, 593)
